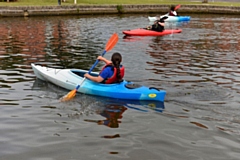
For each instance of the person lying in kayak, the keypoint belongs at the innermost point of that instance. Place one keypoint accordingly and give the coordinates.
(112, 72)
(158, 25)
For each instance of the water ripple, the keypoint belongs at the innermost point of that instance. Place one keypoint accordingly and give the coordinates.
(198, 68)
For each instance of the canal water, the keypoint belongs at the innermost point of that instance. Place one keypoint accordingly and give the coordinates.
(198, 68)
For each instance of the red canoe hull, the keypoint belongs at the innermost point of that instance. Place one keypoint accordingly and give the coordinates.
(144, 32)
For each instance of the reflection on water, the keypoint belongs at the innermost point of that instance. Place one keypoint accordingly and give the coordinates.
(112, 114)
(199, 69)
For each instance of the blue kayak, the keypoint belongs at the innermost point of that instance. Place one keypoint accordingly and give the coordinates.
(171, 18)
(70, 78)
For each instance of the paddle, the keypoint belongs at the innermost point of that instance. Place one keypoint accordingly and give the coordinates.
(110, 44)
(177, 7)
(162, 20)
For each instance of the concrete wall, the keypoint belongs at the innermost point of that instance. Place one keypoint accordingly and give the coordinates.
(111, 9)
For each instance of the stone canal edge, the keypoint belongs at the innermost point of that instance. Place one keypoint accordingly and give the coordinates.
(26, 11)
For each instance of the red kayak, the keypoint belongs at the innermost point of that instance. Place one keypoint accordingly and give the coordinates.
(145, 32)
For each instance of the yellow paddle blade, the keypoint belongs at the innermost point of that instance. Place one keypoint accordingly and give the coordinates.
(69, 96)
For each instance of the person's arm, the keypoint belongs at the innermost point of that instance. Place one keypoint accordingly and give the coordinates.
(100, 58)
(92, 78)
(162, 24)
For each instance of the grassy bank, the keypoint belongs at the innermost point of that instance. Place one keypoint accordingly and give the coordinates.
(101, 2)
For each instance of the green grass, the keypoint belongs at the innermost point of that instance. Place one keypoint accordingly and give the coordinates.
(102, 2)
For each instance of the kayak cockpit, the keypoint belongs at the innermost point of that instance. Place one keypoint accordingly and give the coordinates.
(81, 73)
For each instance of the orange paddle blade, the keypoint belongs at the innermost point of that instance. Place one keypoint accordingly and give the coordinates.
(69, 96)
(112, 41)
(178, 6)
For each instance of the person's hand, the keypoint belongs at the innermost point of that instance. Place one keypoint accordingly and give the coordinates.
(162, 24)
(86, 75)
(100, 58)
